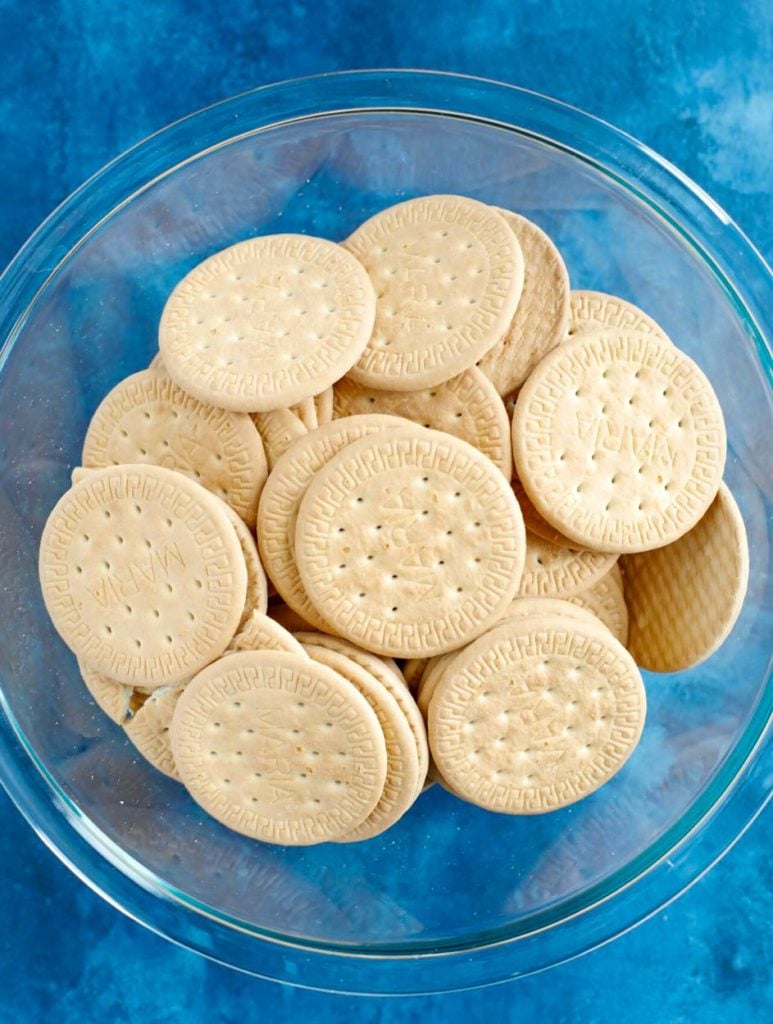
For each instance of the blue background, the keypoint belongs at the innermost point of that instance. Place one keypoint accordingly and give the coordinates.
(80, 80)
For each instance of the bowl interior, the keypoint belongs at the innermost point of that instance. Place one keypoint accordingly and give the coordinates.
(448, 874)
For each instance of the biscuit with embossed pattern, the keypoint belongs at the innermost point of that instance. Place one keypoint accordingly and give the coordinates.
(448, 274)
(466, 406)
(278, 429)
(148, 418)
(267, 322)
(405, 542)
(541, 319)
(552, 570)
(279, 748)
(142, 574)
(261, 633)
(592, 311)
(536, 714)
(403, 777)
(684, 599)
(148, 729)
(619, 441)
(607, 601)
(287, 484)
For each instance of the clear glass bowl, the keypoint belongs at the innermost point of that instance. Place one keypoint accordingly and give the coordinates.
(452, 897)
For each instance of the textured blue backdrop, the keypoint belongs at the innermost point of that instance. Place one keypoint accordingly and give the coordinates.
(80, 80)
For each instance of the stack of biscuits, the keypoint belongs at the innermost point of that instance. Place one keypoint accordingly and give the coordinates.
(392, 512)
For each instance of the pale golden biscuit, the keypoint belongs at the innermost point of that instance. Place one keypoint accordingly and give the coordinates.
(287, 484)
(616, 575)
(403, 782)
(279, 748)
(156, 363)
(536, 714)
(541, 319)
(256, 598)
(110, 696)
(551, 570)
(593, 311)
(323, 403)
(267, 322)
(142, 574)
(429, 680)
(448, 274)
(390, 676)
(466, 406)
(521, 607)
(409, 542)
(260, 633)
(148, 729)
(684, 599)
(278, 429)
(619, 440)
(606, 600)
(306, 411)
(533, 521)
(148, 418)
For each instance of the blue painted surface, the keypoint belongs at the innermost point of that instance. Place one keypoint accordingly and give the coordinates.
(81, 80)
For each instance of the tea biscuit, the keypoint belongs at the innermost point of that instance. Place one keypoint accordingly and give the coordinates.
(541, 319)
(606, 600)
(279, 747)
(278, 430)
(142, 574)
(448, 274)
(148, 729)
(431, 677)
(110, 696)
(260, 633)
(619, 440)
(533, 521)
(536, 714)
(684, 599)
(553, 571)
(148, 418)
(256, 598)
(267, 322)
(306, 411)
(466, 406)
(323, 403)
(403, 780)
(593, 311)
(409, 542)
(286, 486)
(390, 676)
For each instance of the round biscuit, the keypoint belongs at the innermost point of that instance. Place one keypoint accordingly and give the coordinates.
(684, 599)
(267, 322)
(279, 748)
(278, 429)
(592, 311)
(409, 542)
(256, 598)
(148, 418)
(619, 441)
(306, 411)
(109, 695)
(148, 729)
(536, 714)
(540, 321)
(323, 403)
(466, 406)
(260, 633)
(403, 778)
(282, 496)
(448, 274)
(607, 601)
(142, 574)
(390, 676)
(551, 570)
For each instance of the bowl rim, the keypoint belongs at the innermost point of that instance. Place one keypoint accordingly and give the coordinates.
(729, 255)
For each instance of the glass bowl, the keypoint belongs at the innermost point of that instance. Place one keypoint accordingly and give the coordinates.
(452, 897)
